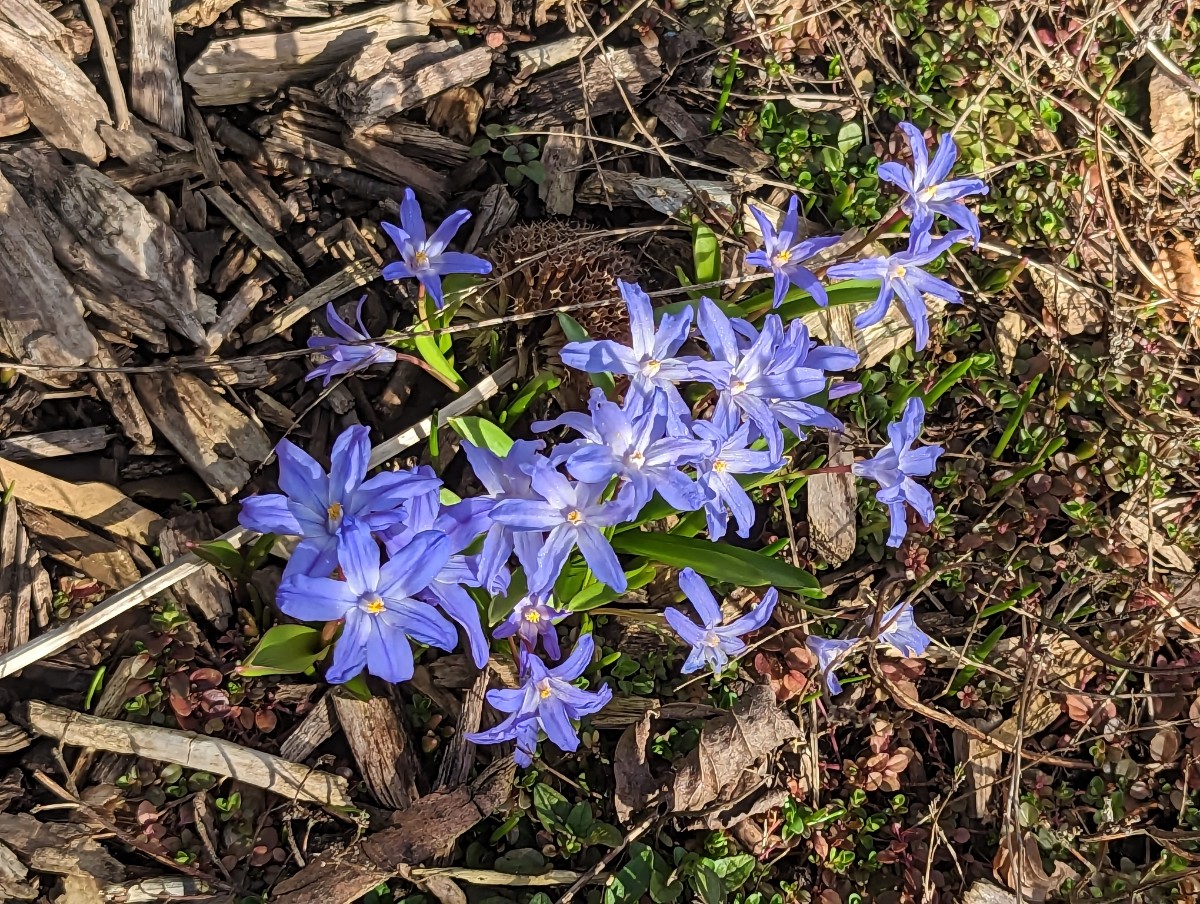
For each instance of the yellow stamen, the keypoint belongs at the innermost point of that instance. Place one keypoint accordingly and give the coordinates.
(927, 194)
(719, 466)
(899, 271)
(334, 511)
(637, 458)
(532, 616)
(738, 386)
(420, 260)
(374, 605)
(651, 367)
(575, 516)
(783, 257)
(545, 691)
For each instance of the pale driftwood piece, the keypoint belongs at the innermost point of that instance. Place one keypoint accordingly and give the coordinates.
(189, 750)
(458, 111)
(563, 96)
(743, 155)
(41, 316)
(12, 737)
(202, 13)
(419, 142)
(539, 56)
(376, 84)
(237, 309)
(416, 834)
(118, 392)
(430, 186)
(357, 274)
(59, 99)
(236, 70)
(459, 755)
(255, 232)
(206, 152)
(59, 848)
(164, 578)
(832, 507)
(16, 598)
(54, 443)
(217, 440)
(32, 20)
(206, 591)
(984, 892)
(381, 747)
(156, 93)
(107, 306)
(13, 120)
(158, 889)
(109, 241)
(317, 727)
(258, 196)
(561, 156)
(99, 504)
(665, 195)
(76, 547)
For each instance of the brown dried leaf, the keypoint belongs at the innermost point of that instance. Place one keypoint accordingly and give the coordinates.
(1009, 331)
(1172, 121)
(1164, 746)
(1178, 268)
(635, 784)
(1020, 868)
(1071, 308)
(730, 745)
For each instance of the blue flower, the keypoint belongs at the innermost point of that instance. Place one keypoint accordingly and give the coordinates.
(713, 643)
(650, 362)
(830, 656)
(546, 702)
(925, 186)
(323, 509)
(894, 467)
(783, 255)
(446, 589)
(503, 478)
(427, 259)
(354, 351)
(531, 618)
(728, 455)
(803, 353)
(900, 274)
(571, 514)
(378, 605)
(899, 630)
(632, 443)
(754, 371)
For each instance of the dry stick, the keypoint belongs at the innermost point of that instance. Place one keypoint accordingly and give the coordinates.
(108, 60)
(154, 583)
(189, 750)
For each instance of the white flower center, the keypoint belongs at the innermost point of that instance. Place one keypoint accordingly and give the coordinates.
(652, 367)
(711, 640)
(720, 466)
(897, 271)
(545, 691)
(737, 386)
(637, 458)
(782, 257)
(574, 517)
(926, 195)
(372, 604)
(420, 260)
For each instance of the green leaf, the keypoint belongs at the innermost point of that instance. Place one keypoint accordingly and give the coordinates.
(598, 594)
(605, 833)
(732, 564)
(850, 136)
(630, 882)
(708, 884)
(540, 385)
(535, 171)
(284, 650)
(988, 16)
(579, 820)
(552, 808)
(706, 252)
(482, 434)
(221, 555)
(521, 862)
(427, 347)
(734, 870)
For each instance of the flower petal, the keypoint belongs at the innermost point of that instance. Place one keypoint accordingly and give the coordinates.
(301, 478)
(457, 262)
(444, 234)
(755, 618)
(350, 652)
(348, 463)
(557, 725)
(268, 514)
(576, 664)
(388, 654)
(411, 218)
(410, 569)
(698, 592)
(314, 599)
(600, 557)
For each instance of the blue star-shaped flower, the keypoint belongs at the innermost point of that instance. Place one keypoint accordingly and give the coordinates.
(713, 643)
(782, 254)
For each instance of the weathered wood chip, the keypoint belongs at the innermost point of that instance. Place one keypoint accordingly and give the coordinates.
(1172, 121)
(41, 316)
(59, 848)
(59, 99)
(609, 78)
(155, 92)
(13, 119)
(376, 84)
(25, 592)
(382, 747)
(236, 70)
(206, 591)
(561, 156)
(217, 440)
(76, 547)
(357, 274)
(832, 507)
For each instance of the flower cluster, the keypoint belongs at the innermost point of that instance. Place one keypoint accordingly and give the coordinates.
(710, 399)
(897, 630)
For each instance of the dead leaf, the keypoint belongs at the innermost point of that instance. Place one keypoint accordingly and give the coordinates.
(1146, 529)
(1020, 868)
(1072, 308)
(1178, 268)
(984, 892)
(1172, 121)
(982, 764)
(1010, 329)
(456, 112)
(635, 784)
(58, 848)
(1164, 746)
(1067, 665)
(730, 745)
